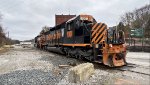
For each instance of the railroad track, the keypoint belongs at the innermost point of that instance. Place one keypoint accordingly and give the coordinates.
(130, 67)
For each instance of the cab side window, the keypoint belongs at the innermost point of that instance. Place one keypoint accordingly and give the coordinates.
(69, 27)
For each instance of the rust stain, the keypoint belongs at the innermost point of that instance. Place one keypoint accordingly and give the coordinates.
(126, 82)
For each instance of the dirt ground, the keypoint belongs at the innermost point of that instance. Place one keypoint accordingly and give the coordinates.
(29, 66)
(139, 58)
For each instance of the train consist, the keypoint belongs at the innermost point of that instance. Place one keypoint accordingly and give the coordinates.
(83, 37)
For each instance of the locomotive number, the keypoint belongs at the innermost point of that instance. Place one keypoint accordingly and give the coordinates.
(69, 34)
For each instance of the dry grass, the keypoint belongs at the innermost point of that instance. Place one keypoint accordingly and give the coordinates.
(3, 50)
(8, 46)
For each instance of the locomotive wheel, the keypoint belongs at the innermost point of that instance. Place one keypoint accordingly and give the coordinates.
(68, 54)
(124, 60)
(110, 60)
(81, 57)
(46, 48)
(76, 56)
(67, 51)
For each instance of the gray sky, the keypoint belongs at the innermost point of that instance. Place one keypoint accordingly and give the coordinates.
(24, 19)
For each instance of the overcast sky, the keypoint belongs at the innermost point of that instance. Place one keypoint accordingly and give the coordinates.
(24, 19)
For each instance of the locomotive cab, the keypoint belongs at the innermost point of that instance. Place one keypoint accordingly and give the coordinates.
(78, 29)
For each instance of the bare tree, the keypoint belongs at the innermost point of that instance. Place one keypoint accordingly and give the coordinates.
(137, 19)
(121, 26)
(2, 34)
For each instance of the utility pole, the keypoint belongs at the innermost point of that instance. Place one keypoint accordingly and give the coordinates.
(8, 34)
(8, 38)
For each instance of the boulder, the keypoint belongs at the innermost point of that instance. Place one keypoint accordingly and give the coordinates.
(80, 72)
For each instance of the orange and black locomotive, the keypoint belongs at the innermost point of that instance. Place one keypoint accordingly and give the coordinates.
(83, 37)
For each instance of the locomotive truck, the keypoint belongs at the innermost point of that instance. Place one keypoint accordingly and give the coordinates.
(83, 37)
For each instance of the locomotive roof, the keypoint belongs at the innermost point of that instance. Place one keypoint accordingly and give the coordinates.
(63, 24)
(71, 19)
(57, 26)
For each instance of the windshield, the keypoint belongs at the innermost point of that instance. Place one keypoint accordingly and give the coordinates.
(115, 37)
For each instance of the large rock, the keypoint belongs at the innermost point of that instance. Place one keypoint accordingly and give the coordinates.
(81, 72)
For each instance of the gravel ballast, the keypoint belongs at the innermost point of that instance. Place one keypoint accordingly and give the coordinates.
(29, 66)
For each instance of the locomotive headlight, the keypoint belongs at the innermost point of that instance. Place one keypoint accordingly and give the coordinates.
(84, 18)
(124, 45)
(110, 45)
(97, 45)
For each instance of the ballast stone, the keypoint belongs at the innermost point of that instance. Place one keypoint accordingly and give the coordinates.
(80, 72)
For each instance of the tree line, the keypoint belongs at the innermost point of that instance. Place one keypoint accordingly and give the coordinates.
(4, 40)
(138, 18)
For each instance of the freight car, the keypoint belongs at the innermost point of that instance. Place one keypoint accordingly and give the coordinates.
(83, 37)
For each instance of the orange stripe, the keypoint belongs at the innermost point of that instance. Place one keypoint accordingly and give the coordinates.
(101, 31)
(100, 36)
(98, 33)
(81, 45)
(127, 82)
(94, 26)
(103, 39)
(96, 29)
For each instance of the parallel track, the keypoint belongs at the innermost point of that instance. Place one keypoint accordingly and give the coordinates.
(131, 66)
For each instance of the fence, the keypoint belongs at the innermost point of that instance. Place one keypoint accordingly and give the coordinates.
(137, 41)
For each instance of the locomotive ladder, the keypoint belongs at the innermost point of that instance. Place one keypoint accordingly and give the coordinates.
(97, 36)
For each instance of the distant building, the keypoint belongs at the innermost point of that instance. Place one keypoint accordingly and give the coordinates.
(62, 18)
(25, 43)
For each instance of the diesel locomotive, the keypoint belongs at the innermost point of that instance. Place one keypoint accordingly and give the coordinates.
(83, 37)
